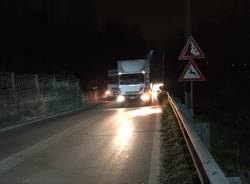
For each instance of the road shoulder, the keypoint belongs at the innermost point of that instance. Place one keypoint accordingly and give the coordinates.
(154, 172)
(18, 125)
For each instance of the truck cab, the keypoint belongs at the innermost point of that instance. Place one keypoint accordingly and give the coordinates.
(134, 81)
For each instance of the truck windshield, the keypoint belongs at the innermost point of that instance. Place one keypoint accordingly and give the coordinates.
(131, 78)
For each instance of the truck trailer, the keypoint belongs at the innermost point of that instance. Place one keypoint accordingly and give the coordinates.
(111, 91)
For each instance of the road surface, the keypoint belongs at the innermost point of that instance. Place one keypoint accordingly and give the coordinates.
(103, 144)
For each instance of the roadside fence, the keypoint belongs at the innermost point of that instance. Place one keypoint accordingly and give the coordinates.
(20, 83)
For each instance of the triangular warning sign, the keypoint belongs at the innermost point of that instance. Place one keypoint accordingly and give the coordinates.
(191, 73)
(191, 50)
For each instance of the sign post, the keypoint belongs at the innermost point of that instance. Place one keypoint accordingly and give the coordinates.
(191, 72)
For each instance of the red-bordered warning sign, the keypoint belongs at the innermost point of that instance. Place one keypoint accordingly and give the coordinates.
(191, 50)
(191, 73)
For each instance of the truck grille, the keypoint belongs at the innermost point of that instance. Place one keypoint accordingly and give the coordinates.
(132, 92)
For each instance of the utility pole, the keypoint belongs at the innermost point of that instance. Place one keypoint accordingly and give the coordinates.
(163, 67)
(188, 29)
(190, 51)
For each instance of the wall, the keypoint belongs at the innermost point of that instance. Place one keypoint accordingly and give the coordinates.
(16, 107)
(28, 97)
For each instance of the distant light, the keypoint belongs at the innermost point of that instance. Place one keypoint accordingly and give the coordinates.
(143, 72)
(119, 73)
(233, 65)
(156, 86)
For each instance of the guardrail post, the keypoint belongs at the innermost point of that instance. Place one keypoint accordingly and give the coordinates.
(36, 82)
(12, 80)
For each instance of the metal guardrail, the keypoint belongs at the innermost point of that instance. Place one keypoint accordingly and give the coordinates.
(208, 170)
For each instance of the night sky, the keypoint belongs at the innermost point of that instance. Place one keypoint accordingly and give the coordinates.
(160, 19)
(150, 15)
(86, 37)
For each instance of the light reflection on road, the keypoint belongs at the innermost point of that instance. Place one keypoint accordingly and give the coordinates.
(124, 133)
(145, 111)
(126, 126)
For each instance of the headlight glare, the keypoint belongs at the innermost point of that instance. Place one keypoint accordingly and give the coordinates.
(107, 92)
(145, 97)
(120, 98)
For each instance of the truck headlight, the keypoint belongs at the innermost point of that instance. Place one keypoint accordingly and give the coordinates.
(145, 97)
(107, 92)
(120, 98)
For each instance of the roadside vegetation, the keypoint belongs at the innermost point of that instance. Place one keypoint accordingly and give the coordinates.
(177, 166)
(230, 125)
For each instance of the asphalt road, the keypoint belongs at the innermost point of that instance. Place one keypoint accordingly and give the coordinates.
(103, 144)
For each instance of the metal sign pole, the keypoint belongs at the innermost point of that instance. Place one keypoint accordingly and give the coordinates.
(191, 98)
(191, 73)
(190, 51)
(188, 97)
(188, 18)
(186, 93)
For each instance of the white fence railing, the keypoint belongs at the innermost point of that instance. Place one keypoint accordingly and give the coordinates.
(21, 83)
(25, 82)
(6, 80)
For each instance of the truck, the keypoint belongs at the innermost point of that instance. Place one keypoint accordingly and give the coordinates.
(111, 91)
(134, 81)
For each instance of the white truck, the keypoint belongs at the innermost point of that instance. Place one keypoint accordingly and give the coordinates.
(111, 91)
(134, 81)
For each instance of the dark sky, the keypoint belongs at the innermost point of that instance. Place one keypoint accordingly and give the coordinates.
(150, 15)
(63, 38)
(160, 18)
